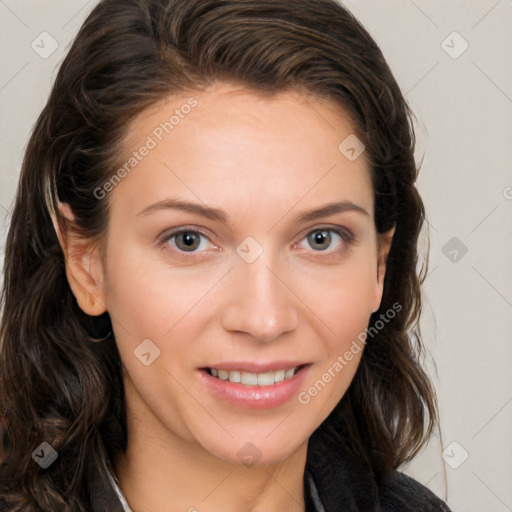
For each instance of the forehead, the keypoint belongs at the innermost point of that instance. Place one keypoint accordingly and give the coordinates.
(230, 145)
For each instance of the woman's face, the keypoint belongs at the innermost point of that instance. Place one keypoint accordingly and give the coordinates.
(216, 260)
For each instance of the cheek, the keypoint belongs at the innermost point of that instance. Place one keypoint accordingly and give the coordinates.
(343, 296)
(347, 315)
(148, 298)
(351, 306)
(344, 305)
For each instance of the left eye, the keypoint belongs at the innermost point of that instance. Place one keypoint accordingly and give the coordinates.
(188, 241)
(321, 239)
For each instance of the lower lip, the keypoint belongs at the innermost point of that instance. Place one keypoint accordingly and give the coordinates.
(254, 397)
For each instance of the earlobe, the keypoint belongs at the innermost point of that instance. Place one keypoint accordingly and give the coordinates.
(84, 269)
(384, 246)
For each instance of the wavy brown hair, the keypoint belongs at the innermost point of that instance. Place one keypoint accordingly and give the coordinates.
(56, 384)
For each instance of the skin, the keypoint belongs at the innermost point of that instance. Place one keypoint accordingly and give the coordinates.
(263, 161)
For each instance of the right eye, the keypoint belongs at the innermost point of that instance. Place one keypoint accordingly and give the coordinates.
(187, 240)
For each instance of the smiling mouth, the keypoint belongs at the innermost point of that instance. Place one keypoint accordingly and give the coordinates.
(254, 378)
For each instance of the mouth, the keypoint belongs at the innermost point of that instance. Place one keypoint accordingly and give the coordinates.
(254, 384)
(249, 378)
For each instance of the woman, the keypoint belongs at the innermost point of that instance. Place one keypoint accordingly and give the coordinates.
(211, 296)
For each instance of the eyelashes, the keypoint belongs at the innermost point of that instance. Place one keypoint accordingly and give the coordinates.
(188, 242)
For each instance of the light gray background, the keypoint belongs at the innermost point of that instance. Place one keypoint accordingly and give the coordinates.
(464, 111)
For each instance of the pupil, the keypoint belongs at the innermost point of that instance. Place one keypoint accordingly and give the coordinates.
(187, 241)
(321, 238)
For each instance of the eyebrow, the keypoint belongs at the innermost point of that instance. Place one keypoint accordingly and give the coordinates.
(217, 214)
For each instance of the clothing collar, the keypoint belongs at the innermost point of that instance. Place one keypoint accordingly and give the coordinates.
(119, 493)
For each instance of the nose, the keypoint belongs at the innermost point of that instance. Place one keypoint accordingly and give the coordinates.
(259, 302)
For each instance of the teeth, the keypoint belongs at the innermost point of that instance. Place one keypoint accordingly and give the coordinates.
(266, 379)
(279, 376)
(248, 378)
(252, 378)
(289, 373)
(235, 376)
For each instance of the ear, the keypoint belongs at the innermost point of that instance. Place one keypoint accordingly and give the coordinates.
(84, 267)
(383, 246)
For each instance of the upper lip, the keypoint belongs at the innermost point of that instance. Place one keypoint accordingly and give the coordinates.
(256, 366)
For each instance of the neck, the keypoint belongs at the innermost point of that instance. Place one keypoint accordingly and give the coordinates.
(161, 472)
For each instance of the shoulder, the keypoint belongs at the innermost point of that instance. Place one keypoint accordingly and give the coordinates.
(343, 480)
(401, 493)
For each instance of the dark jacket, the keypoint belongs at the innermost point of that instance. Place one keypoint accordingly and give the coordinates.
(331, 484)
